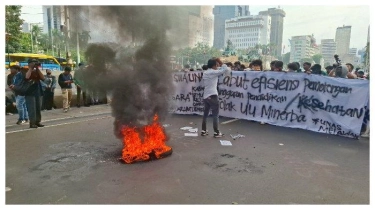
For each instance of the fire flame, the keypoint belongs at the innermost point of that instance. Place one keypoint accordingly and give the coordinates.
(153, 142)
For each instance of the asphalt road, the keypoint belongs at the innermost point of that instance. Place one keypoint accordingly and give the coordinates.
(75, 160)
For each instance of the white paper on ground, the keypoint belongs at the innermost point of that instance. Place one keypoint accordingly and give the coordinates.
(225, 143)
(191, 134)
(193, 130)
(186, 128)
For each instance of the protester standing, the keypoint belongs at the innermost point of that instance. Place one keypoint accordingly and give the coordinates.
(20, 100)
(210, 95)
(48, 86)
(65, 82)
(34, 94)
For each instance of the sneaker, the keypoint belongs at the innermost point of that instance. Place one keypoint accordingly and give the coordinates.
(19, 122)
(204, 133)
(218, 135)
(65, 110)
(262, 123)
(26, 121)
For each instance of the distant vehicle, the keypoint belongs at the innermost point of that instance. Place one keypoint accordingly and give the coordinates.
(46, 61)
(63, 62)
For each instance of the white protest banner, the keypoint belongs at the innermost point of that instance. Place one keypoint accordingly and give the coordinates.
(297, 100)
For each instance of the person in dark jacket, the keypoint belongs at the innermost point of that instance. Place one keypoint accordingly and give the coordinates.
(34, 94)
(48, 86)
(65, 82)
(20, 100)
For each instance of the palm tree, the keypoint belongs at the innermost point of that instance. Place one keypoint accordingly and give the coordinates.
(45, 42)
(84, 38)
(58, 39)
(35, 32)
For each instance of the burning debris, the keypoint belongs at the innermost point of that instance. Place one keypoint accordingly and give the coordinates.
(138, 79)
(153, 144)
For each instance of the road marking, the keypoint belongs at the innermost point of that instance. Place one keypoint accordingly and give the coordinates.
(47, 126)
(63, 118)
(229, 121)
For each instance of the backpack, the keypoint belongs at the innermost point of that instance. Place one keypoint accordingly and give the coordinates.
(22, 88)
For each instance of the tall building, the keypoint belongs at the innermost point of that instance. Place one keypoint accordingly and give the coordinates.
(222, 13)
(277, 27)
(352, 51)
(26, 27)
(201, 27)
(246, 32)
(342, 40)
(301, 47)
(328, 50)
(52, 18)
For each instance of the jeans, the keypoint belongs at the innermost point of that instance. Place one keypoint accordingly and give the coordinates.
(21, 107)
(211, 102)
(67, 97)
(34, 106)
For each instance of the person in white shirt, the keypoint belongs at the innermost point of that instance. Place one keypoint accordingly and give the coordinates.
(210, 95)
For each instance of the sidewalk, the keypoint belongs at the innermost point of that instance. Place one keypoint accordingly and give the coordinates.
(58, 114)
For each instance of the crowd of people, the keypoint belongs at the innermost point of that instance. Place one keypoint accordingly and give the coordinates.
(215, 67)
(347, 70)
(40, 95)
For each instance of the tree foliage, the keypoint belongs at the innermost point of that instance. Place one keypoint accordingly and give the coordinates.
(201, 53)
(317, 58)
(13, 24)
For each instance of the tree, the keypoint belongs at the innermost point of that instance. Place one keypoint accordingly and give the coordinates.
(84, 39)
(45, 42)
(317, 58)
(303, 60)
(25, 43)
(13, 24)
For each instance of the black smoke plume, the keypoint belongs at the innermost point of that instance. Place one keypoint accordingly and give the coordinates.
(137, 76)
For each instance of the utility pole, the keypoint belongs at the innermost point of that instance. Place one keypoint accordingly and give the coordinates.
(76, 24)
(31, 33)
(51, 34)
(66, 30)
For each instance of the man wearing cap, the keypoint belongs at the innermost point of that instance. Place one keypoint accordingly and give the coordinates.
(34, 94)
(65, 82)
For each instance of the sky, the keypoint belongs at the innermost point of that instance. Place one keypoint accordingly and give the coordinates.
(320, 20)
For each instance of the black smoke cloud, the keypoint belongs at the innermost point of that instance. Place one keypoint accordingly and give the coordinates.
(139, 80)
